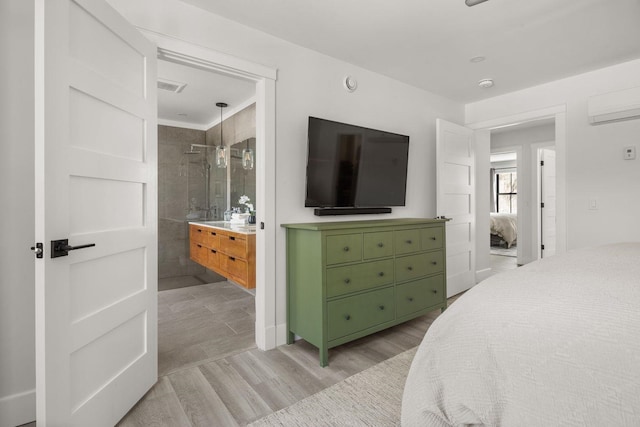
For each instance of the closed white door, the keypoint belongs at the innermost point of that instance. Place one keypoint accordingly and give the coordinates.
(455, 176)
(548, 206)
(96, 156)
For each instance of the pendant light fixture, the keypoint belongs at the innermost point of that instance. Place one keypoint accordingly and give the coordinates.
(247, 158)
(221, 150)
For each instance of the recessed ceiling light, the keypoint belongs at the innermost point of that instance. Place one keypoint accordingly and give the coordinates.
(485, 83)
(477, 59)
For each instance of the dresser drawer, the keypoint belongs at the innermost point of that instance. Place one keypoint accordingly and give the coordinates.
(431, 238)
(351, 278)
(356, 313)
(198, 252)
(344, 248)
(414, 266)
(234, 245)
(213, 258)
(212, 238)
(377, 245)
(197, 234)
(418, 295)
(235, 267)
(407, 241)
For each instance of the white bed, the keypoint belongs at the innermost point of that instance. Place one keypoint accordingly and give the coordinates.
(504, 225)
(553, 343)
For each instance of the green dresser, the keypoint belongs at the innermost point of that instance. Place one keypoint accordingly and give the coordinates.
(349, 279)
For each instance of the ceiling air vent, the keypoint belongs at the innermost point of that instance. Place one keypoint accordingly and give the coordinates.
(170, 85)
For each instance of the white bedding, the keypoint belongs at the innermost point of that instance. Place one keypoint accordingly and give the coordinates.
(553, 343)
(504, 225)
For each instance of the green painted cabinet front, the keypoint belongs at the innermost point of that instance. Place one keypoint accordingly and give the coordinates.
(346, 280)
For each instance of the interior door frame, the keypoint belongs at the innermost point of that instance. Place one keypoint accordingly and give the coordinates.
(181, 52)
(558, 113)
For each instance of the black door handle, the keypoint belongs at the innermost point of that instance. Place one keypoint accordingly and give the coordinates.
(61, 247)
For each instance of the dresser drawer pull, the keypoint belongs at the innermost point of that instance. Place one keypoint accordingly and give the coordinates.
(380, 244)
(381, 274)
(409, 242)
(346, 249)
(434, 262)
(433, 238)
(410, 268)
(213, 233)
(347, 317)
(213, 251)
(434, 291)
(347, 281)
(410, 299)
(199, 246)
(199, 230)
(382, 307)
(232, 258)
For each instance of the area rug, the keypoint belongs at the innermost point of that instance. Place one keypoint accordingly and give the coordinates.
(497, 250)
(372, 397)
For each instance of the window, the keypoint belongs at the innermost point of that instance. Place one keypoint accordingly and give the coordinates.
(507, 192)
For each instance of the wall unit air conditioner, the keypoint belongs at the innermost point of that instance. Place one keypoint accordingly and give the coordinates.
(614, 106)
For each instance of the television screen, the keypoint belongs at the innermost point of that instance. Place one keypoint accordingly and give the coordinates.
(353, 166)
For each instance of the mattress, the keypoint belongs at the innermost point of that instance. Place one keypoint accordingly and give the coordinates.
(553, 343)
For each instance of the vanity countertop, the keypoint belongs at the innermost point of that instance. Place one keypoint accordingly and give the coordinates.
(226, 225)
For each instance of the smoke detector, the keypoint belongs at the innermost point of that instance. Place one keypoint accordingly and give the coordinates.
(485, 83)
(171, 86)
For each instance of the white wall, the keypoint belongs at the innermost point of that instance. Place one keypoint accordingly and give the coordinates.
(594, 164)
(17, 323)
(310, 84)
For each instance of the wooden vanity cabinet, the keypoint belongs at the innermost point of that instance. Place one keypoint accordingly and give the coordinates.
(228, 253)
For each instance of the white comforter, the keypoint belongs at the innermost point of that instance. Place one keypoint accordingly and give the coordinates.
(553, 343)
(504, 225)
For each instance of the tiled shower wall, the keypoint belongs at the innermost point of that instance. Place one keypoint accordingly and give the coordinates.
(177, 181)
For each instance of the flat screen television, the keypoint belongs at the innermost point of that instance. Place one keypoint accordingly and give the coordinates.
(355, 167)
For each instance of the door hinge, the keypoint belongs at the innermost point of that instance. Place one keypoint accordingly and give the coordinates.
(542, 247)
(38, 249)
(542, 205)
(541, 162)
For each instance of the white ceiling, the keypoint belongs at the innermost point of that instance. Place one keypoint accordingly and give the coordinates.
(195, 106)
(429, 43)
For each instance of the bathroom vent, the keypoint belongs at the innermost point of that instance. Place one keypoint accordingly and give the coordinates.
(171, 86)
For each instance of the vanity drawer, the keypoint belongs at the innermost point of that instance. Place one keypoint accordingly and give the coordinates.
(213, 259)
(233, 244)
(351, 278)
(344, 248)
(378, 245)
(407, 241)
(414, 266)
(198, 252)
(418, 295)
(235, 267)
(431, 238)
(212, 238)
(197, 234)
(356, 313)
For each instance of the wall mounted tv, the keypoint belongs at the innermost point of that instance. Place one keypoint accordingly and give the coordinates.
(352, 169)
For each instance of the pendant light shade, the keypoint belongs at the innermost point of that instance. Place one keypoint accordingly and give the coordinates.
(248, 158)
(221, 150)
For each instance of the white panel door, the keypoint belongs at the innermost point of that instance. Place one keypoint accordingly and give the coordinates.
(96, 157)
(455, 176)
(548, 196)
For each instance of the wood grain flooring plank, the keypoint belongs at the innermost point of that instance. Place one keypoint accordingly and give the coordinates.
(201, 404)
(160, 407)
(244, 403)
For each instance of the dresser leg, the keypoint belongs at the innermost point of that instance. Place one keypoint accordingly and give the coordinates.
(324, 356)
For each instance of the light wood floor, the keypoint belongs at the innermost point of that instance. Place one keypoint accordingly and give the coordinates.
(212, 374)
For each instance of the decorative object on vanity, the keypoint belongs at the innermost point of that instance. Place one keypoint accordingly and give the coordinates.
(346, 280)
(249, 210)
(221, 150)
(225, 250)
(353, 167)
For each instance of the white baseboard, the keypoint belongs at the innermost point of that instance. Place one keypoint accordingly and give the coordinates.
(281, 334)
(18, 409)
(482, 274)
